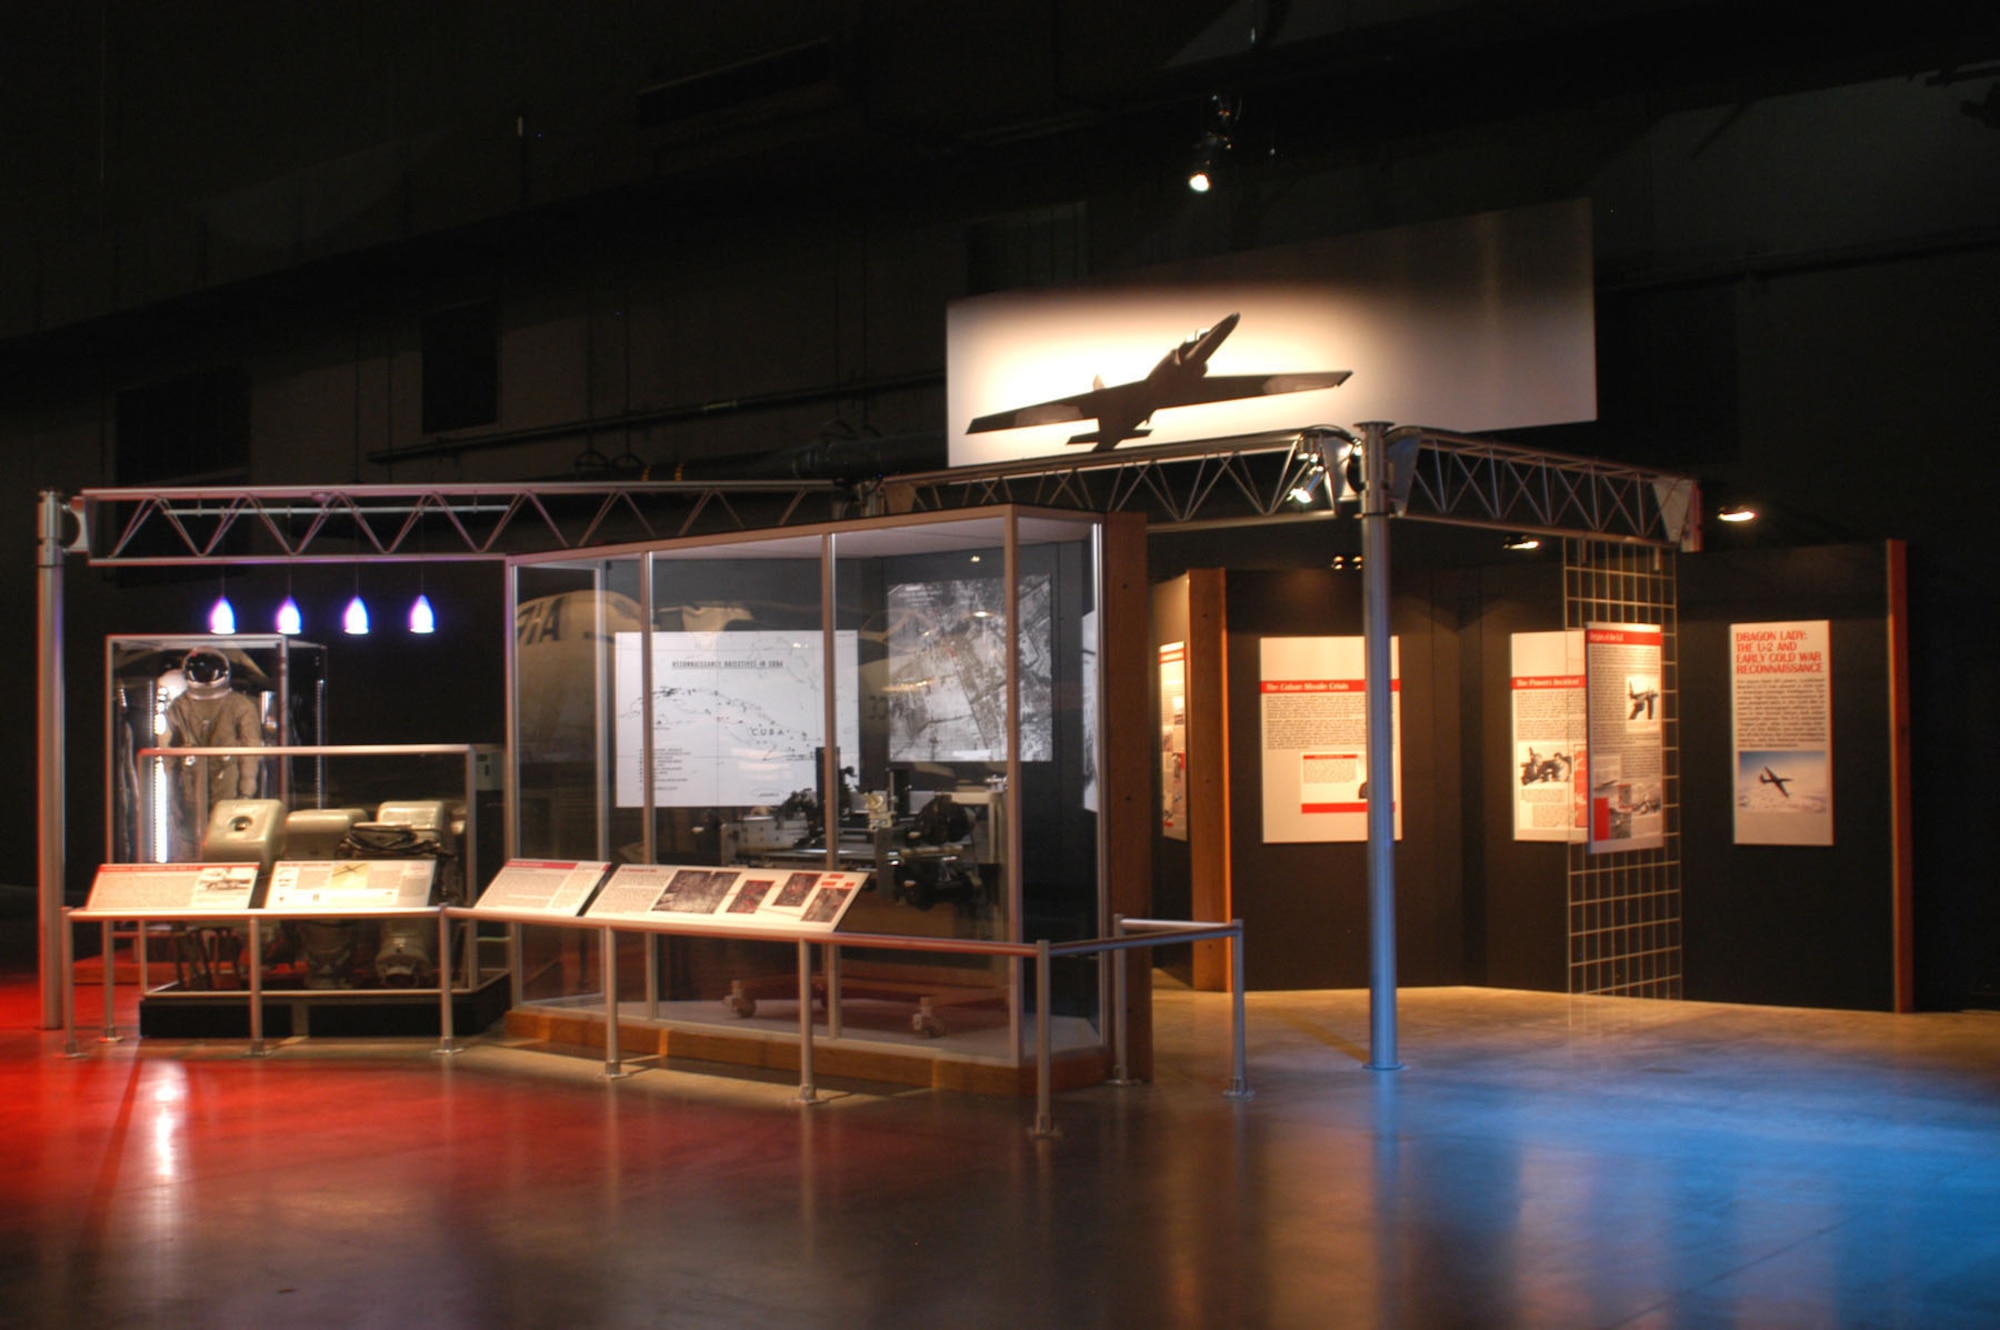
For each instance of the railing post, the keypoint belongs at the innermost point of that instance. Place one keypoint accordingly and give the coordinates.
(1121, 1044)
(614, 1066)
(107, 948)
(66, 942)
(1045, 1123)
(257, 1049)
(808, 1092)
(447, 1042)
(1239, 1083)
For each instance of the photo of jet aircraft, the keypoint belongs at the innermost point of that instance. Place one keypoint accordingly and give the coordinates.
(1180, 379)
(1770, 777)
(1642, 700)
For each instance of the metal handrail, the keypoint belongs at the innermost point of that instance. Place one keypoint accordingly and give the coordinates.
(1128, 935)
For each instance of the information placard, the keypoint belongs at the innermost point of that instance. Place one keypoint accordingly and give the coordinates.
(173, 888)
(541, 886)
(1782, 722)
(737, 716)
(351, 884)
(1314, 707)
(696, 897)
(1551, 732)
(1627, 739)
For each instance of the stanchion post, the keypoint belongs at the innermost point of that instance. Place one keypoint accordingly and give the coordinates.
(808, 1093)
(107, 947)
(67, 992)
(1121, 1046)
(614, 1067)
(256, 990)
(1239, 1084)
(1045, 1123)
(447, 1040)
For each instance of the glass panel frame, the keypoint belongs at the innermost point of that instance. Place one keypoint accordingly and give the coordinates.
(971, 876)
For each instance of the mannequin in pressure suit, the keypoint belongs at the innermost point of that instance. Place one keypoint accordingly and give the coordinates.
(210, 714)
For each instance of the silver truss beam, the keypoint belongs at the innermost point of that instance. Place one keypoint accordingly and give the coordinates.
(426, 523)
(1452, 478)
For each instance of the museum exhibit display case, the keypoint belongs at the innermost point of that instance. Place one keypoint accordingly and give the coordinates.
(882, 737)
(255, 865)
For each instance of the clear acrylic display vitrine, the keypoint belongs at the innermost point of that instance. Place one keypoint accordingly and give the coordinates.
(914, 697)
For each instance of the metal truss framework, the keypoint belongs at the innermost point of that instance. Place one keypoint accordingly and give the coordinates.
(1311, 473)
(1435, 477)
(426, 523)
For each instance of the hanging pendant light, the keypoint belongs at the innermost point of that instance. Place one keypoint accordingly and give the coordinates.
(222, 617)
(289, 622)
(421, 618)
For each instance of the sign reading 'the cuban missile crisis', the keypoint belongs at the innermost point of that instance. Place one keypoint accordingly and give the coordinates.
(1479, 323)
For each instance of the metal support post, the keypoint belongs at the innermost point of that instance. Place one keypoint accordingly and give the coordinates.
(447, 1042)
(49, 771)
(1045, 1122)
(1376, 510)
(1239, 1035)
(257, 1049)
(832, 963)
(106, 946)
(614, 1067)
(67, 944)
(808, 1093)
(1121, 1040)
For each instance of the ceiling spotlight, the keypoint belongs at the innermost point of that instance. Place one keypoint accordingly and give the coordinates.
(1521, 541)
(1212, 148)
(1736, 512)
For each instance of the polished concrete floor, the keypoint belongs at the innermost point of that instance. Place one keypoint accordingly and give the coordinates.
(1540, 1161)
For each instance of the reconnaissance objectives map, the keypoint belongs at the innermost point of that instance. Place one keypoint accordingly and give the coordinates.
(947, 690)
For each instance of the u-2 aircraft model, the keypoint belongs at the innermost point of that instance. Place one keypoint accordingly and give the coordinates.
(1770, 777)
(1180, 379)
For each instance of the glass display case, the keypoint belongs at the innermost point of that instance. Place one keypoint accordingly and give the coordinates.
(914, 698)
(223, 790)
(205, 692)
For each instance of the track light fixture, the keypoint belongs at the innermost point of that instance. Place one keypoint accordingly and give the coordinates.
(1212, 148)
(1521, 541)
(1736, 512)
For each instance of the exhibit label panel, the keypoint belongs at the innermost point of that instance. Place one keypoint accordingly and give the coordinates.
(737, 717)
(1313, 705)
(1627, 739)
(172, 888)
(1173, 741)
(1782, 728)
(354, 884)
(692, 897)
(1551, 729)
(541, 886)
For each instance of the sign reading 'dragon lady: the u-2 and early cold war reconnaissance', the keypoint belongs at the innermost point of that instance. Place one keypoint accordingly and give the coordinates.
(1782, 718)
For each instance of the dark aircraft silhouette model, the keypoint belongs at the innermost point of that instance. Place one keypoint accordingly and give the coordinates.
(1770, 777)
(1180, 379)
(1642, 701)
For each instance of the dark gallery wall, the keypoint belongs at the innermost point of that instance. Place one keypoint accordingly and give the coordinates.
(1790, 925)
(1516, 891)
(1305, 906)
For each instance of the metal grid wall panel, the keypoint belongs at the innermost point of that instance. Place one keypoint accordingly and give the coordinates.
(1625, 907)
